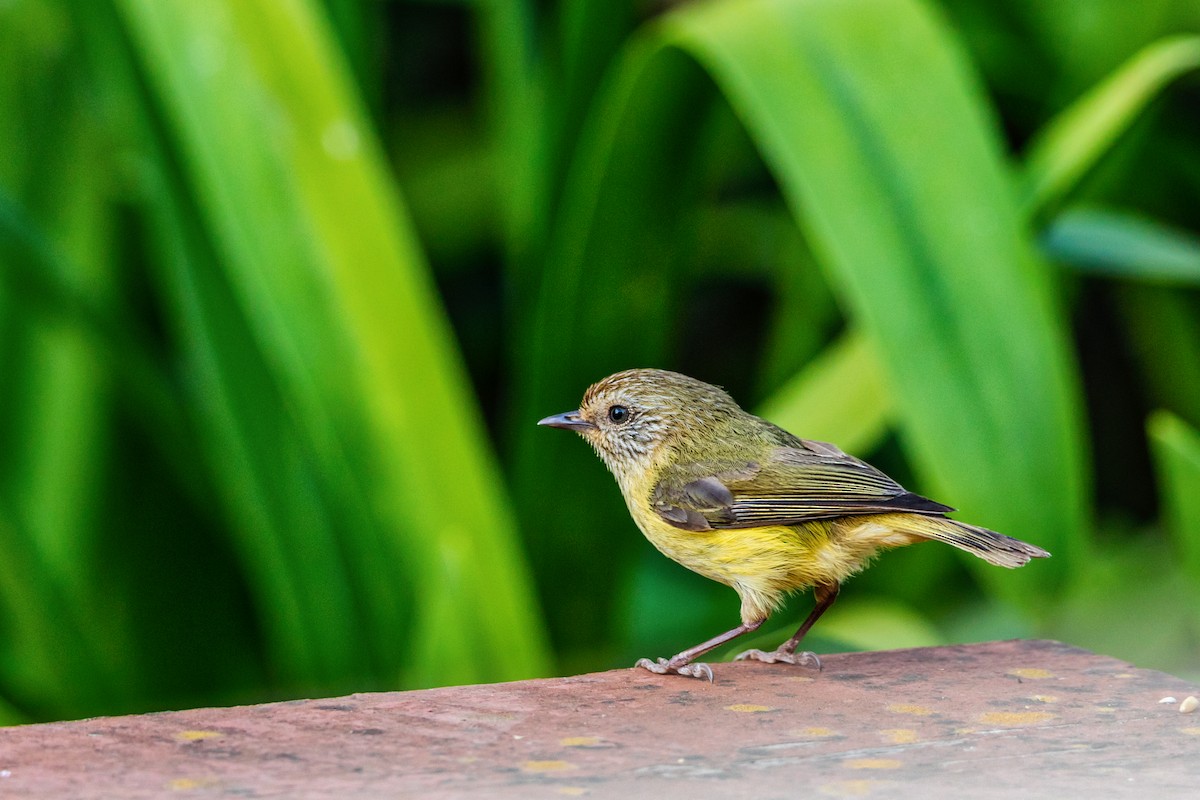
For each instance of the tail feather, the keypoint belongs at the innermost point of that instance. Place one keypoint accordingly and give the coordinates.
(995, 548)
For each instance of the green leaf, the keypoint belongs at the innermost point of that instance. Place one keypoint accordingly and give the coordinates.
(515, 98)
(839, 397)
(757, 241)
(1132, 602)
(1117, 244)
(925, 243)
(866, 623)
(1163, 326)
(1176, 448)
(69, 634)
(1071, 144)
(54, 662)
(1079, 43)
(340, 422)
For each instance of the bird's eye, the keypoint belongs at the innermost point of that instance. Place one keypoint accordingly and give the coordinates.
(618, 414)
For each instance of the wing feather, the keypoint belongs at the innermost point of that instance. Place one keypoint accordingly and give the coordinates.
(793, 485)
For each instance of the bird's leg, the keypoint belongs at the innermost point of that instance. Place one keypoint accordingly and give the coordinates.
(682, 662)
(825, 594)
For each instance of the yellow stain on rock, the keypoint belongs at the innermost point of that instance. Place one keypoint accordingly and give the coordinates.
(1044, 698)
(899, 735)
(748, 709)
(547, 766)
(1015, 718)
(919, 711)
(572, 791)
(818, 733)
(188, 784)
(1190, 731)
(849, 788)
(579, 741)
(1031, 673)
(873, 763)
(196, 736)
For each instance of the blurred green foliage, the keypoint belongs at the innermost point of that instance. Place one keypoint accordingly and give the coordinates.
(285, 285)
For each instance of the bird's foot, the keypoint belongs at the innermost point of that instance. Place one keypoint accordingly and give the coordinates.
(663, 666)
(804, 657)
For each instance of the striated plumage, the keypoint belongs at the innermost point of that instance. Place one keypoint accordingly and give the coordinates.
(743, 502)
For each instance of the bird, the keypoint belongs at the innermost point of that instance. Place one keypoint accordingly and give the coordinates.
(743, 502)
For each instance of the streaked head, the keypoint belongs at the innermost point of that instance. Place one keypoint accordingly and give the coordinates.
(629, 416)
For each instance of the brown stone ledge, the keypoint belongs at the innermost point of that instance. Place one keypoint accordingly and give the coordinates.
(1001, 719)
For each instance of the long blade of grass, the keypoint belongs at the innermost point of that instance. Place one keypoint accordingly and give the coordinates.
(55, 664)
(514, 87)
(1078, 137)
(1061, 155)
(1176, 449)
(847, 370)
(38, 275)
(925, 243)
(1164, 330)
(55, 398)
(321, 328)
(1115, 244)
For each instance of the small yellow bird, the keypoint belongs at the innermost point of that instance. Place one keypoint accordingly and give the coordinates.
(741, 501)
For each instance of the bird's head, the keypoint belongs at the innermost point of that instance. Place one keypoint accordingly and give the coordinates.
(633, 418)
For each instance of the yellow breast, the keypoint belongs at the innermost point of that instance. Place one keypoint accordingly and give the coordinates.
(765, 564)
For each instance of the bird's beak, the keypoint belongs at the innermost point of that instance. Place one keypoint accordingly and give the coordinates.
(569, 420)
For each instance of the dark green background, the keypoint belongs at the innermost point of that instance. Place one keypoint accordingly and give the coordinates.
(284, 287)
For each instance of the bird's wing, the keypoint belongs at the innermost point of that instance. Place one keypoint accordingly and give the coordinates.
(794, 484)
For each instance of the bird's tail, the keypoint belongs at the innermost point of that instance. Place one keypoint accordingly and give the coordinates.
(995, 548)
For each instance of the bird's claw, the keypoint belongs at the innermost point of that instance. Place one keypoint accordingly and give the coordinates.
(663, 666)
(697, 670)
(802, 658)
